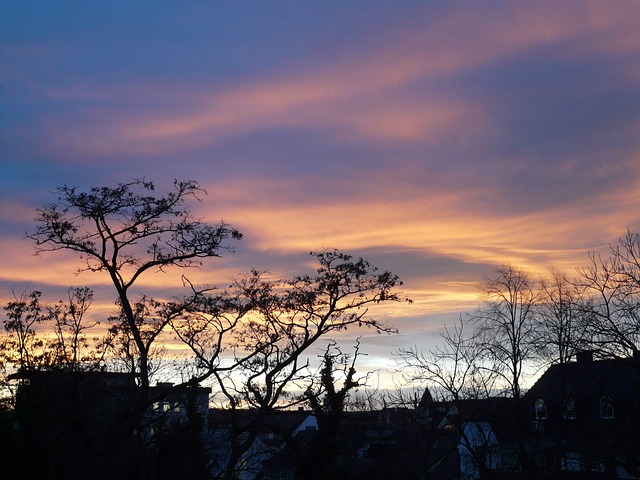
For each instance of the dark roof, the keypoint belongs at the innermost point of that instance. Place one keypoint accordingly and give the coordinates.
(54, 376)
(585, 382)
(280, 422)
(426, 400)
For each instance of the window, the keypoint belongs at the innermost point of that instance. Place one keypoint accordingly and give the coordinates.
(571, 461)
(606, 408)
(541, 409)
(569, 409)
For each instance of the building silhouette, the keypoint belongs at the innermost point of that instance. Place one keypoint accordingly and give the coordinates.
(579, 420)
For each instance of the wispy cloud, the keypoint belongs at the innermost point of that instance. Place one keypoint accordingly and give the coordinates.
(358, 96)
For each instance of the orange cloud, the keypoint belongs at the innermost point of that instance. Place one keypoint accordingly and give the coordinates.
(434, 222)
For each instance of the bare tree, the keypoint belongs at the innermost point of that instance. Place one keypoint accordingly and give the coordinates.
(41, 336)
(251, 340)
(612, 287)
(457, 370)
(21, 347)
(127, 232)
(72, 349)
(299, 312)
(505, 325)
(626, 256)
(271, 327)
(560, 330)
(462, 376)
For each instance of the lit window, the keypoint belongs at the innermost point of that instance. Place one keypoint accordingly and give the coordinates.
(569, 409)
(606, 408)
(541, 409)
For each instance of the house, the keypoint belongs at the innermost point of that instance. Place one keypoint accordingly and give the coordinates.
(579, 419)
(488, 432)
(173, 405)
(97, 424)
(584, 416)
(368, 445)
(273, 433)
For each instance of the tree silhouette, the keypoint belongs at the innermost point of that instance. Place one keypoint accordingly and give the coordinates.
(21, 346)
(561, 319)
(252, 339)
(505, 324)
(272, 325)
(126, 232)
(612, 288)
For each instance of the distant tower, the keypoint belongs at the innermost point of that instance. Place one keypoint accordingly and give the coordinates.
(426, 401)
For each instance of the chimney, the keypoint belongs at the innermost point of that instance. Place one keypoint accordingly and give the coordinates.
(585, 356)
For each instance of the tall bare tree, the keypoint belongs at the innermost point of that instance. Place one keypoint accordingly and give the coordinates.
(561, 321)
(505, 325)
(127, 232)
(72, 349)
(21, 347)
(251, 340)
(612, 287)
(455, 370)
(271, 327)
(626, 256)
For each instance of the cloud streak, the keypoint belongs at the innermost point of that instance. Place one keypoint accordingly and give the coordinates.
(355, 96)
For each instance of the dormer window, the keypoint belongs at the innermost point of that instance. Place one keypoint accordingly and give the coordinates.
(606, 408)
(541, 409)
(569, 409)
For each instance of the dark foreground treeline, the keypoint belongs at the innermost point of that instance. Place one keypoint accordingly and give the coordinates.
(579, 420)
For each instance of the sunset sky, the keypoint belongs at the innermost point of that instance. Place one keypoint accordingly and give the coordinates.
(436, 139)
